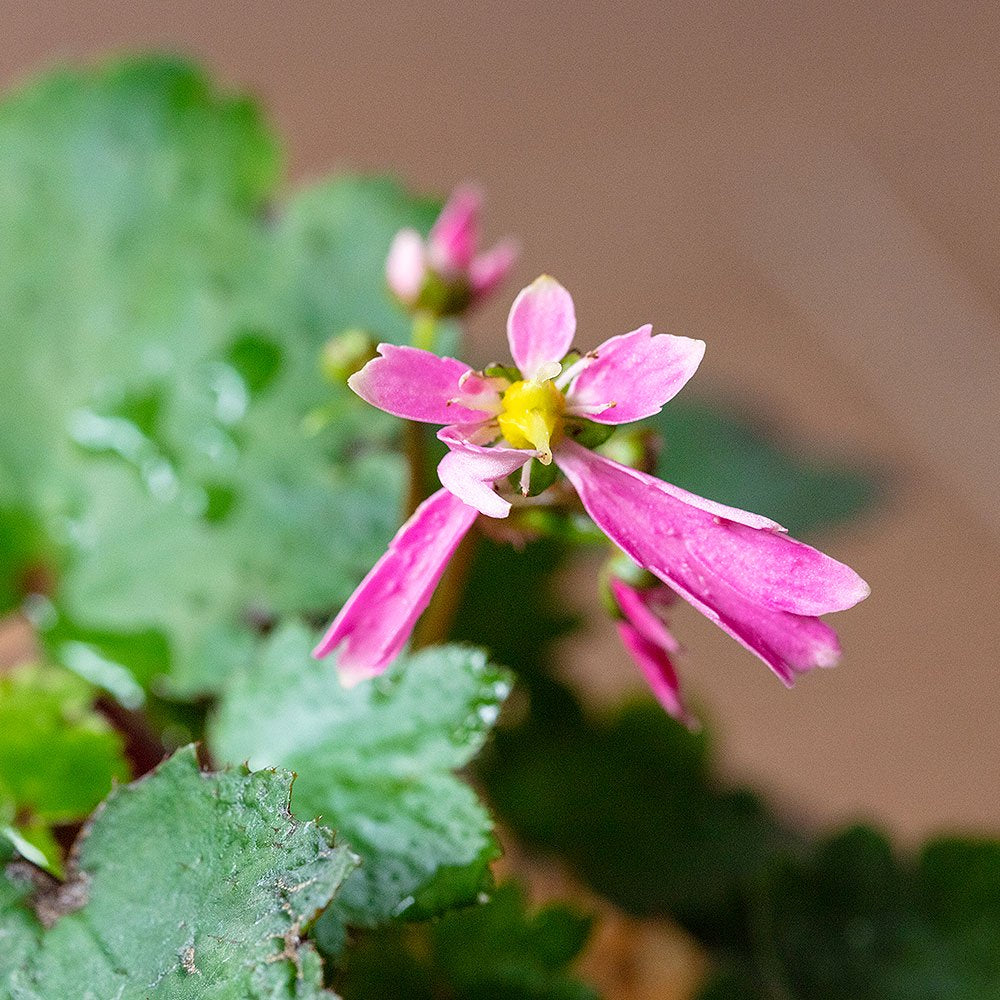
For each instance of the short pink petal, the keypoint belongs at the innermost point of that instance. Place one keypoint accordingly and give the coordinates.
(414, 384)
(661, 531)
(655, 664)
(469, 471)
(635, 608)
(541, 325)
(452, 240)
(490, 269)
(405, 266)
(376, 622)
(636, 372)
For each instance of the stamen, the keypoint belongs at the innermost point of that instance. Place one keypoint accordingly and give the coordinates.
(547, 371)
(589, 410)
(488, 405)
(526, 477)
(574, 370)
(484, 433)
(483, 393)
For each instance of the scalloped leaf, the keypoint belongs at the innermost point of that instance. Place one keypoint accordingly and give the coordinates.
(185, 884)
(376, 762)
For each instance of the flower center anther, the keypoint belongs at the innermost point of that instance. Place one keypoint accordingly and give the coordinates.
(532, 416)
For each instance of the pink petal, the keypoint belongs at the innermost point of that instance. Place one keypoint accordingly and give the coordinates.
(637, 372)
(489, 270)
(657, 527)
(635, 608)
(720, 510)
(405, 266)
(415, 384)
(452, 240)
(656, 666)
(470, 470)
(776, 570)
(541, 325)
(375, 623)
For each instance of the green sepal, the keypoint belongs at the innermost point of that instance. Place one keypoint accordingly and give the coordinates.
(441, 297)
(587, 432)
(508, 372)
(540, 478)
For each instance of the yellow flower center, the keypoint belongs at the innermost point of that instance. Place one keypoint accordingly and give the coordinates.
(532, 416)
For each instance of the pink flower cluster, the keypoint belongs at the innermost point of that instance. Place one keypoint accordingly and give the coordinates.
(444, 274)
(739, 569)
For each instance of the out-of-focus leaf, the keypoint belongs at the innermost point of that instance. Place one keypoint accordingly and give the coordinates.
(630, 803)
(509, 606)
(160, 471)
(852, 920)
(722, 457)
(376, 763)
(58, 758)
(20, 932)
(495, 950)
(186, 885)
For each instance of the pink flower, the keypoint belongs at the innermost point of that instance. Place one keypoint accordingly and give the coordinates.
(739, 569)
(645, 635)
(444, 275)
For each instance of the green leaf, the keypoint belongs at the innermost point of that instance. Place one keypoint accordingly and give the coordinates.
(161, 473)
(630, 803)
(722, 457)
(20, 932)
(851, 920)
(496, 950)
(187, 885)
(58, 758)
(376, 763)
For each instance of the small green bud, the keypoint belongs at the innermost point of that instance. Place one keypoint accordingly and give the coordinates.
(635, 447)
(587, 432)
(508, 372)
(441, 297)
(540, 479)
(346, 354)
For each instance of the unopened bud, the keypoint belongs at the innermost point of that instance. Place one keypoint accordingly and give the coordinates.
(346, 354)
(635, 447)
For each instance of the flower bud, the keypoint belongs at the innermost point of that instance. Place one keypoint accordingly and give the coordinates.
(346, 354)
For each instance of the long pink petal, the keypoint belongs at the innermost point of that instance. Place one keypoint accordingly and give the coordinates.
(635, 372)
(452, 240)
(375, 623)
(405, 266)
(656, 666)
(414, 384)
(489, 270)
(541, 325)
(660, 530)
(776, 570)
(470, 470)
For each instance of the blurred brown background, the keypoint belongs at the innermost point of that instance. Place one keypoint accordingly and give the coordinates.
(812, 190)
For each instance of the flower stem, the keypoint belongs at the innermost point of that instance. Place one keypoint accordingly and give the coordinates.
(424, 331)
(416, 460)
(423, 334)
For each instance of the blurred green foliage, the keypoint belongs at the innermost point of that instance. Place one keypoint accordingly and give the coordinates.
(161, 339)
(58, 757)
(497, 950)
